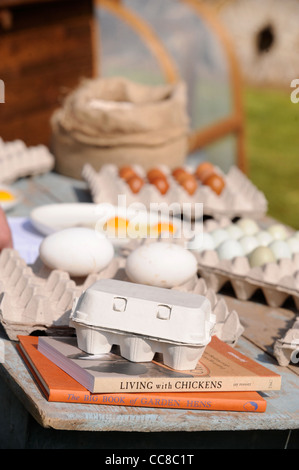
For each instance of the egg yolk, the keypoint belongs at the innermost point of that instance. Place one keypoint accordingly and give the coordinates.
(162, 227)
(116, 225)
(6, 196)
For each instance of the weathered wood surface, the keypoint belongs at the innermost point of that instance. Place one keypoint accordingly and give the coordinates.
(263, 325)
(282, 409)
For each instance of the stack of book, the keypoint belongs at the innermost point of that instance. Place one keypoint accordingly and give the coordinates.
(224, 379)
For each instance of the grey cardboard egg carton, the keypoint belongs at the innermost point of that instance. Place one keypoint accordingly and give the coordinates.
(278, 281)
(17, 160)
(34, 298)
(239, 198)
(286, 349)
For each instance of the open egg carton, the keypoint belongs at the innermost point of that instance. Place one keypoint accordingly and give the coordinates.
(238, 198)
(17, 160)
(286, 349)
(278, 279)
(34, 298)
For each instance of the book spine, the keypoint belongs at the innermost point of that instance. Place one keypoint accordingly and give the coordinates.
(184, 384)
(152, 401)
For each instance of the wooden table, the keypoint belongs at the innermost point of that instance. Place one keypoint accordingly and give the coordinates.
(28, 420)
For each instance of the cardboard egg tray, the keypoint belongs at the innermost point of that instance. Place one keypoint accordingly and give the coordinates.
(34, 298)
(17, 160)
(239, 198)
(278, 281)
(177, 324)
(286, 349)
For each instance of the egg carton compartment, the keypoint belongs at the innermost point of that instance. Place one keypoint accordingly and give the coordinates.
(286, 349)
(17, 160)
(139, 349)
(277, 281)
(239, 197)
(228, 253)
(34, 298)
(143, 320)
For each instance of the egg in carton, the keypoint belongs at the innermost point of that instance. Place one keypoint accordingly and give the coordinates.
(233, 195)
(271, 266)
(143, 320)
(17, 160)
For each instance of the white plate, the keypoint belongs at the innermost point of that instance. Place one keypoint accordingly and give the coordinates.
(7, 205)
(54, 217)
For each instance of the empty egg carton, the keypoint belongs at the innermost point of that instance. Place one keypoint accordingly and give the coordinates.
(286, 349)
(239, 198)
(143, 320)
(17, 160)
(35, 298)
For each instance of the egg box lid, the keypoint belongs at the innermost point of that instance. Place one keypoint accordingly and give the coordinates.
(153, 312)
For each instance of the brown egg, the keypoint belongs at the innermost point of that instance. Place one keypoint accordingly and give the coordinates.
(204, 170)
(161, 184)
(216, 183)
(126, 172)
(155, 173)
(135, 183)
(178, 173)
(189, 183)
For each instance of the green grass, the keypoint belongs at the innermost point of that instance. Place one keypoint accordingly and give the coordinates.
(273, 150)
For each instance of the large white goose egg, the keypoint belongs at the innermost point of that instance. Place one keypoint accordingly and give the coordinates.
(78, 251)
(161, 264)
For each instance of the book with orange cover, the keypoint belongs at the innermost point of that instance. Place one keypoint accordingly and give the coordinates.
(58, 386)
(221, 368)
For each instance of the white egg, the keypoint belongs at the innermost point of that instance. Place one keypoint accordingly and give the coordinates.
(260, 256)
(264, 238)
(230, 249)
(161, 264)
(249, 226)
(78, 251)
(280, 249)
(293, 243)
(248, 243)
(219, 235)
(278, 231)
(234, 231)
(202, 242)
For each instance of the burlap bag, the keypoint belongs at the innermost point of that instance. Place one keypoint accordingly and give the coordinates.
(116, 121)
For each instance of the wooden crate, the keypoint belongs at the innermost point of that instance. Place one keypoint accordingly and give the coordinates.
(46, 47)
